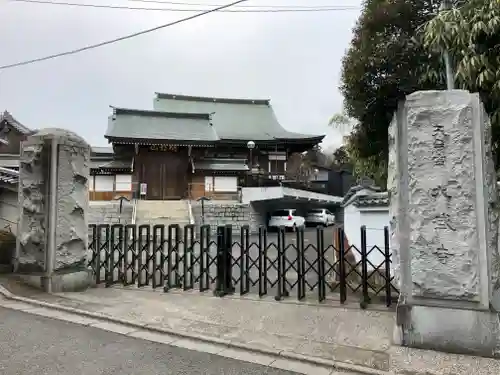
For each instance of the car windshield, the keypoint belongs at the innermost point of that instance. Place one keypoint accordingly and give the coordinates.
(315, 211)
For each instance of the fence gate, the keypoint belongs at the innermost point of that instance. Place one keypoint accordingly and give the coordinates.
(237, 262)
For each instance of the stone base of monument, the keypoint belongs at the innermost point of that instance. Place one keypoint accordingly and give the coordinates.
(75, 281)
(470, 332)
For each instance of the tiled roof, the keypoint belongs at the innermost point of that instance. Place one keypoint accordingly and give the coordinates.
(366, 194)
(234, 119)
(102, 150)
(376, 199)
(215, 164)
(111, 164)
(6, 116)
(154, 125)
(9, 176)
(9, 160)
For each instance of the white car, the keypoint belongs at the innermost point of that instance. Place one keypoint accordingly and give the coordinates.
(320, 216)
(287, 218)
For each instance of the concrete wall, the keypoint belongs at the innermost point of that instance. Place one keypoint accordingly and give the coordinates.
(236, 214)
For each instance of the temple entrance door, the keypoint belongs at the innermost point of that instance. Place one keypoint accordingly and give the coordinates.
(165, 172)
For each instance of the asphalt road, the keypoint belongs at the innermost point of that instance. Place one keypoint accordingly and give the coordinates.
(34, 345)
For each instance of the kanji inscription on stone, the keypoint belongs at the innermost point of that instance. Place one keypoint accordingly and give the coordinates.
(442, 221)
(439, 156)
(442, 254)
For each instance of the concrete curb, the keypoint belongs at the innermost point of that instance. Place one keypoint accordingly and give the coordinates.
(279, 354)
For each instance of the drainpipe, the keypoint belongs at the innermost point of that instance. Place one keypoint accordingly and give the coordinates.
(51, 240)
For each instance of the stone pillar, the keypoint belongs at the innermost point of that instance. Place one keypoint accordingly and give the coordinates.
(444, 227)
(53, 201)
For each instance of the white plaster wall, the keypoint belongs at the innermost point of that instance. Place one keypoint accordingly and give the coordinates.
(375, 219)
(9, 209)
(352, 223)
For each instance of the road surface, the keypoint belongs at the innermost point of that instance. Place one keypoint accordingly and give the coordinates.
(34, 345)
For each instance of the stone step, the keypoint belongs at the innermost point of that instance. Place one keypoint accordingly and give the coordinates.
(162, 213)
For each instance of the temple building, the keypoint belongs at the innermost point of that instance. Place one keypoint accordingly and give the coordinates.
(186, 147)
(189, 146)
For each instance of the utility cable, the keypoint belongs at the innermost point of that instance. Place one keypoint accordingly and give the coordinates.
(120, 7)
(241, 6)
(112, 41)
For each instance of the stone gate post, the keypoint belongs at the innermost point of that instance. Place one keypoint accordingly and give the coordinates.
(444, 224)
(53, 200)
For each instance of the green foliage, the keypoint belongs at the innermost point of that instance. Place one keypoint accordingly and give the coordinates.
(471, 34)
(349, 154)
(384, 63)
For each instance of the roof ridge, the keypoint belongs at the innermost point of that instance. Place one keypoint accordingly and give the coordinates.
(160, 95)
(7, 116)
(149, 112)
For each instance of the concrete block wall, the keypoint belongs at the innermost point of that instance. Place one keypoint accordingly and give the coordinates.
(236, 214)
(108, 213)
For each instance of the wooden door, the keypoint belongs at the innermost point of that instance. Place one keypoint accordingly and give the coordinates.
(165, 173)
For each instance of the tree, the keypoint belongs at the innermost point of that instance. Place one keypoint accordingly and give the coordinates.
(471, 34)
(341, 157)
(385, 62)
(362, 166)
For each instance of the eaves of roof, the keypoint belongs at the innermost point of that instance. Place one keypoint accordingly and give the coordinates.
(6, 116)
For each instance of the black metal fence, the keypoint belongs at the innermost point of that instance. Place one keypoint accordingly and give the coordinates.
(267, 264)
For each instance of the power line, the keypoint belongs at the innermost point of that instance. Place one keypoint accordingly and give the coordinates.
(119, 7)
(130, 36)
(240, 6)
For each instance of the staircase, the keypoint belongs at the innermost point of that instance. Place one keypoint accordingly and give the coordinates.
(163, 212)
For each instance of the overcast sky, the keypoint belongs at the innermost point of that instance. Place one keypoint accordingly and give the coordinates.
(292, 58)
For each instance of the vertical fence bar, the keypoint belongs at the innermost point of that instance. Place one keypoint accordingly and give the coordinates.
(365, 299)
(116, 256)
(109, 257)
(262, 273)
(167, 285)
(228, 261)
(92, 245)
(247, 259)
(342, 273)
(242, 262)
(300, 270)
(219, 278)
(176, 257)
(303, 266)
(284, 267)
(158, 252)
(99, 248)
(203, 250)
(320, 249)
(387, 253)
(189, 244)
(208, 257)
(265, 259)
(279, 262)
(143, 254)
(130, 246)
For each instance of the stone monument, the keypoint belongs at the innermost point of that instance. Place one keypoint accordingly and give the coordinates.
(444, 224)
(53, 201)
